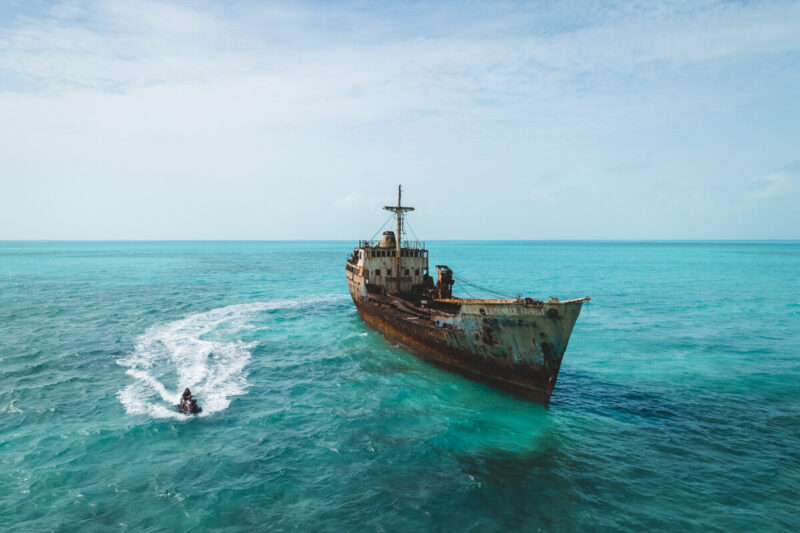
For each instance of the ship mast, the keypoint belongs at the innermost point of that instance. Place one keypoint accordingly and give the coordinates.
(398, 213)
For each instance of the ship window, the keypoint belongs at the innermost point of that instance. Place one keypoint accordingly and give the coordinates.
(378, 272)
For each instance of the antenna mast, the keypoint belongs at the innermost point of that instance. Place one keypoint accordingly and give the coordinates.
(398, 213)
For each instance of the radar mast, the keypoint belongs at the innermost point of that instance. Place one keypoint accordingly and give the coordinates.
(398, 214)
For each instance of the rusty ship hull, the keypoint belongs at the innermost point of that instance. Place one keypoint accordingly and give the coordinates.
(515, 343)
(517, 346)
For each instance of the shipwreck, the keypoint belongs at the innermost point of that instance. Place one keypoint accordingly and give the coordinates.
(516, 344)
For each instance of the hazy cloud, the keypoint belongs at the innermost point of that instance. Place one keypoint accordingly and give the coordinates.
(183, 108)
(772, 186)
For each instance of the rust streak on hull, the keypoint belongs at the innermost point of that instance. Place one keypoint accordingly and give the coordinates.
(433, 345)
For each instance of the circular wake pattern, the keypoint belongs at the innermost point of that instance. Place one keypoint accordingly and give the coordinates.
(202, 351)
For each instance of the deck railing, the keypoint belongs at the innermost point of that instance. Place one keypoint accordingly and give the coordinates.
(414, 245)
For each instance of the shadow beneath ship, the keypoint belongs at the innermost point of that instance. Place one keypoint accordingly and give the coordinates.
(535, 487)
(514, 468)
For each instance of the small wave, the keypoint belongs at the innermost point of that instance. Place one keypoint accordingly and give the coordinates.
(12, 409)
(202, 352)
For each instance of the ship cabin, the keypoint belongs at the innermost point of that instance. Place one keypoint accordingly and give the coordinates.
(376, 267)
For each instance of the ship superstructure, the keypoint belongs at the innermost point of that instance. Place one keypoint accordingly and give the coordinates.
(516, 344)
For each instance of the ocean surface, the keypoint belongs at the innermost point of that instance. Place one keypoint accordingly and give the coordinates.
(677, 407)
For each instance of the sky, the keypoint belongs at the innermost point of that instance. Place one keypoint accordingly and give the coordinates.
(140, 119)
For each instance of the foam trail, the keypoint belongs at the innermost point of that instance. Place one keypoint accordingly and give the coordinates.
(198, 351)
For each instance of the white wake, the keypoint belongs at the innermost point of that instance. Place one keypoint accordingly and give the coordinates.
(194, 352)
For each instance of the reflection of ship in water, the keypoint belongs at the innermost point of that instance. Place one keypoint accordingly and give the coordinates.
(516, 344)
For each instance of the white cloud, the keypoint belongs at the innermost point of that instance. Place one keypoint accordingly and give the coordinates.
(302, 104)
(120, 43)
(543, 190)
(357, 201)
(771, 186)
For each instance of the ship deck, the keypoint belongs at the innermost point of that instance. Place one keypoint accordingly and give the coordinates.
(426, 308)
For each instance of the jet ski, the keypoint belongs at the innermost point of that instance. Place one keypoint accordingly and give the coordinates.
(189, 407)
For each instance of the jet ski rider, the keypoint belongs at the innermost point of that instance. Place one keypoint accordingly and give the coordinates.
(187, 402)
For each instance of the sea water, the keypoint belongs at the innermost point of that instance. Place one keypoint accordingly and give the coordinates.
(677, 406)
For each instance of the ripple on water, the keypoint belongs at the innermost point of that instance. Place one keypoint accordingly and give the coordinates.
(676, 406)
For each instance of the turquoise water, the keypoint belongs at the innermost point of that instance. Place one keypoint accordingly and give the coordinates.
(677, 407)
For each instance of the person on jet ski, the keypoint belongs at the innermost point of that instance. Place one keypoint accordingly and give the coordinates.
(187, 401)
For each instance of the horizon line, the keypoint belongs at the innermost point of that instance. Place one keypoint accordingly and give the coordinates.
(357, 240)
